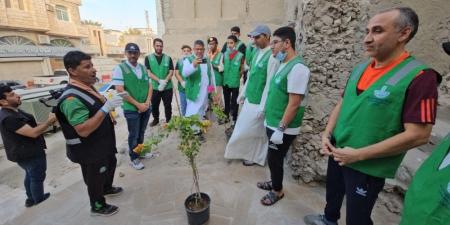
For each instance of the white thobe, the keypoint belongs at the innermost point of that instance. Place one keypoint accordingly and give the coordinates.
(249, 139)
(199, 106)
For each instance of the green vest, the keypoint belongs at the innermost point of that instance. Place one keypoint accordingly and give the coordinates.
(257, 78)
(250, 51)
(136, 88)
(160, 70)
(217, 75)
(193, 82)
(278, 97)
(427, 201)
(375, 115)
(180, 71)
(232, 70)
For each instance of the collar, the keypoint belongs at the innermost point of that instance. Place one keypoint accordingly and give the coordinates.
(134, 67)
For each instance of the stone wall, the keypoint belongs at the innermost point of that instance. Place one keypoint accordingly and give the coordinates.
(332, 32)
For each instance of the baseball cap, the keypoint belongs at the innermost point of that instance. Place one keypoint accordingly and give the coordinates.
(260, 29)
(132, 47)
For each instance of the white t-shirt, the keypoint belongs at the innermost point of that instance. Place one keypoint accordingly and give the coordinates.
(117, 76)
(297, 80)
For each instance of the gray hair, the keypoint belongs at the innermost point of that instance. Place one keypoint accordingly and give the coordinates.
(407, 18)
(199, 42)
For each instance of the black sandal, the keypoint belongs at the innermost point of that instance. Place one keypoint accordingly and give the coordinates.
(272, 197)
(265, 185)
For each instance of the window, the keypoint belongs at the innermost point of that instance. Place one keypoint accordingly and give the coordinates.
(61, 13)
(61, 43)
(8, 3)
(15, 40)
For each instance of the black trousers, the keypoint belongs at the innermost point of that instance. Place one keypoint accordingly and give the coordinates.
(230, 96)
(275, 159)
(361, 191)
(99, 178)
(166, 97)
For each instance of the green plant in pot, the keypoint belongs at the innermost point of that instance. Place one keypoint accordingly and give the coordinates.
(187, 128)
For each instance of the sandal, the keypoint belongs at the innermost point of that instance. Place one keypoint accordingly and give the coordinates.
(272, 198)
(265, 185)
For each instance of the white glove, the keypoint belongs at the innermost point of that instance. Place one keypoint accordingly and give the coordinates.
(162, 82)
(112, 103)
(220, 68)
(277, 137)
(183, 84)
(161, 86)
(240, 99)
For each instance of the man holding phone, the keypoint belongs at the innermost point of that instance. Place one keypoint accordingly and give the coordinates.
(199, 75)
(132, 82)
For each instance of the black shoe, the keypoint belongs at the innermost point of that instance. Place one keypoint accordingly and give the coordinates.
(114, 191)
(154, 123)
(107, 210)
(29, 202)
(248, 163)
(46, 195)
(201, 138)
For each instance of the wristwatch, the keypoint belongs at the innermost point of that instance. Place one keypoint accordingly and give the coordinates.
(281, 126)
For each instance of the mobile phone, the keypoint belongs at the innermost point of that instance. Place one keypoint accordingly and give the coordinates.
(203, 60)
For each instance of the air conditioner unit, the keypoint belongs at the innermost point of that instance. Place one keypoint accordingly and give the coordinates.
(50, 8)
(44, 39)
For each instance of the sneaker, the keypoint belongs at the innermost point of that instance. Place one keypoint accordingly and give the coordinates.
(136, 164)
(106, 210)
(154, 123)
(317, 220)
(149, 155)
(114, 191)
(29, 202)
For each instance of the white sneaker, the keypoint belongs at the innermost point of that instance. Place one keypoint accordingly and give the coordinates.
(137, 164)
(149, 155)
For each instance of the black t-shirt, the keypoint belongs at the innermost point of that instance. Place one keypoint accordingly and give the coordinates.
(19, 147)
(159, 59)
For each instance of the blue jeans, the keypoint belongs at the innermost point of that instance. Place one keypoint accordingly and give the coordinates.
(137, 123)
(183, 102)
(34, 177)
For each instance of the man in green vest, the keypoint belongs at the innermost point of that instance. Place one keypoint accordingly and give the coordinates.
(388, 107)
(427, 201)
(160, 67)
(198, 71)
(247, 141)
(131, 77)
(186, 51)
(285, 105)
(240, 46)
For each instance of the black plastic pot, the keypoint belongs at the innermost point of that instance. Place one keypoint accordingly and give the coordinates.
(201, 216)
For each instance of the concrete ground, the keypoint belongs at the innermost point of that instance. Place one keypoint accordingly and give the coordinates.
(156, 194)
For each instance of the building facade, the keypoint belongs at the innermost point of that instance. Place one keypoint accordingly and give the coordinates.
(35, 34)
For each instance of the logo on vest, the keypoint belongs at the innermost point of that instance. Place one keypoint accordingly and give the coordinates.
(382, 93)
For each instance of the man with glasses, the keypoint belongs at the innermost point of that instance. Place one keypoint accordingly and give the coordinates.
(199, 75)
(131, 77)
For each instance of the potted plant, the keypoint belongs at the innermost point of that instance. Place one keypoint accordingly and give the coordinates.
(197, 204)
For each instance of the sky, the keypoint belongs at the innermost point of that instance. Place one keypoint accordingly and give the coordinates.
(119, 14)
